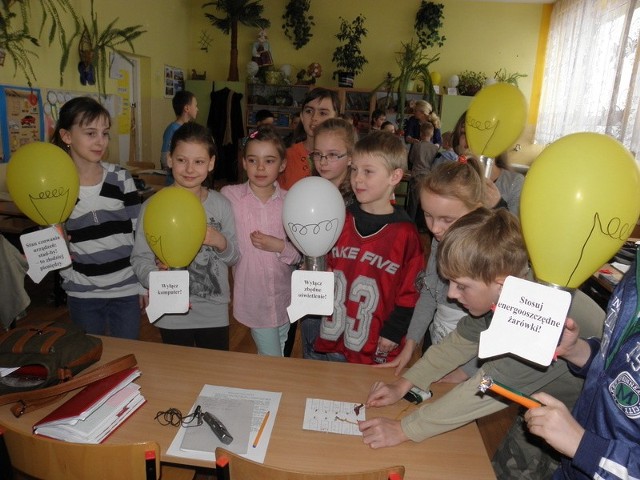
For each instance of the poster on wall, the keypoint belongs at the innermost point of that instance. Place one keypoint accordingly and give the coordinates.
(22, 119)
(173, 81)
(54, 99)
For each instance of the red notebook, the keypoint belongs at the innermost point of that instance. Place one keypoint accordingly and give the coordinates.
(95, 411)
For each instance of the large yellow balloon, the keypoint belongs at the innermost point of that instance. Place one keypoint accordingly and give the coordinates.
(175, 225)
(495, 119)
(580, 202)
(435, 77)
(43, 182)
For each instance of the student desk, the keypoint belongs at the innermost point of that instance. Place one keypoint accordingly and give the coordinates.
(173, 376)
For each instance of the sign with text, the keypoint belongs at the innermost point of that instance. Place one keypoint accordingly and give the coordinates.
(45, 250)
(527, 322)
(168, 293)
(311, 293)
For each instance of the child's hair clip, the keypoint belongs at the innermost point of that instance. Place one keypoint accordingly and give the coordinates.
(253, 134)
(462, 159)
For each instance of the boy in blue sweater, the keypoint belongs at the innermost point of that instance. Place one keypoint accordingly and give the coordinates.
(601, 439)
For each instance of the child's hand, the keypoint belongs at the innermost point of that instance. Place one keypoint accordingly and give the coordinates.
(160, 265)
(266, 242)
(382, 432)
(571, 347)
(554, 423)
(383, 394)
(213, 238)
(402, 359)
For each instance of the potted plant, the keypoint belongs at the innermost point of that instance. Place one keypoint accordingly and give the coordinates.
(297, 22)
(471, 82)
(348, 57)
(414, 65)
(503, 76)
(100, 43)
(16, 40)
(428, 23)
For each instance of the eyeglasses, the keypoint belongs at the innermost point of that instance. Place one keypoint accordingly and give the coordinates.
(331, 157)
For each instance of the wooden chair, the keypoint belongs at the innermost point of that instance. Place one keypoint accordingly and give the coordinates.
(44, 458)
(230, 466)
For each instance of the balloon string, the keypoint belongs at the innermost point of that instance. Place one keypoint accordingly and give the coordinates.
(620, 233)
(490, 138)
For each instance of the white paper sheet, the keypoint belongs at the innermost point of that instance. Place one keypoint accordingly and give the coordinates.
(331, 416)
(264, 402)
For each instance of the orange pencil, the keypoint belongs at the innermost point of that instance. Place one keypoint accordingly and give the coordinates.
(487, 383)
(262, 425)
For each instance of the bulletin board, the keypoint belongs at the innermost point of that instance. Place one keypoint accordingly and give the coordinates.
(22, 120)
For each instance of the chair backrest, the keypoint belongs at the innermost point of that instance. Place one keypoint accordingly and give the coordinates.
(230, 466)
(49, 459)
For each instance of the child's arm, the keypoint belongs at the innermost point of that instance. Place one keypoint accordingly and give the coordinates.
(285, 250)
(224, 214)
(143, 260)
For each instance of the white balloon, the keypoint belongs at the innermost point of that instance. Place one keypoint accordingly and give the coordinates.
(454, 80)
(313, 215)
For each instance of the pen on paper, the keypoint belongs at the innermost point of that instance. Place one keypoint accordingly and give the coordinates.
(262, 425)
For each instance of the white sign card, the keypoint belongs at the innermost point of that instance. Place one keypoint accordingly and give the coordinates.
(45, 250)
(168, 293)
(311, 293)
(527, 322)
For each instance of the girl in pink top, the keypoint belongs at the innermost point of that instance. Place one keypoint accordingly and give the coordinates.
(262, 276)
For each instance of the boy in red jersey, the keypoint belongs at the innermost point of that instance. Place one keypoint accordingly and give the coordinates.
(375, 261)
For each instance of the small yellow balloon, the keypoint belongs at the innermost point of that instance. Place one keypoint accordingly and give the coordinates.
(43, 182)
(175, 225)
(495, 119)
(435, 78)
(579, 203)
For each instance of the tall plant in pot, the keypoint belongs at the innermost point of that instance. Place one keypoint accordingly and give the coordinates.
(348, 56)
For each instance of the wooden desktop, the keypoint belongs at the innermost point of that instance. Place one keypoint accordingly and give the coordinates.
(173, 376)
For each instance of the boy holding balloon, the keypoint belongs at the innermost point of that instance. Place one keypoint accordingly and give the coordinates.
(600, 440)
(206, 324)
(375, 260)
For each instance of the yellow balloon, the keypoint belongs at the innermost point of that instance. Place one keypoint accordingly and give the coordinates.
(43, 182)
(435, 78)
(495, 119)
(579, 203)
(175, 225)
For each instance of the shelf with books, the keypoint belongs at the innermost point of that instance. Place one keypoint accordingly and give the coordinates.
(281, 100)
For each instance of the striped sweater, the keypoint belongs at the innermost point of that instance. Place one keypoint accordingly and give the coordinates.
(101, 228)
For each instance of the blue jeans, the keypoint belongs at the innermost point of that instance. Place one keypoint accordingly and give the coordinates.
(310, 331)
(118, 317)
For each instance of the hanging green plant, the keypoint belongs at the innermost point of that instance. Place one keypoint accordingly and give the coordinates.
(17, 41)
(428, 23)
(99, 44)
(297, 22)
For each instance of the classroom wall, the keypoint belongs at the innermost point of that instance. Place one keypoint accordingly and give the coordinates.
(482, 36)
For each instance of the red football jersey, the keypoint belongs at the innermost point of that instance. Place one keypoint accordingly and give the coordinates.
(373, 274)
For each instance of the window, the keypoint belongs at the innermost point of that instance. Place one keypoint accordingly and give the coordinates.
(592, 80)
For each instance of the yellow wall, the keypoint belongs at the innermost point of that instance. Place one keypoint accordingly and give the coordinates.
(482, 36)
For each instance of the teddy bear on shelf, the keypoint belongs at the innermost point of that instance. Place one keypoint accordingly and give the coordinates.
(309, 76)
